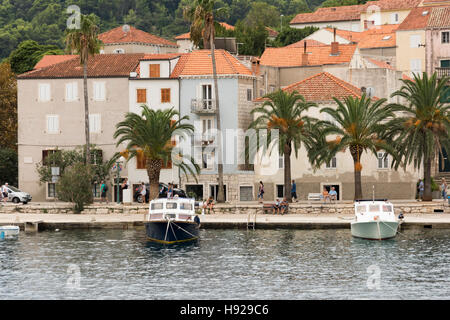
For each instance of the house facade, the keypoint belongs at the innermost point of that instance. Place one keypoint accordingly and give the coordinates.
(377, 175)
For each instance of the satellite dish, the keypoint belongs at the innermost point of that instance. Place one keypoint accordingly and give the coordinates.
(126, 28)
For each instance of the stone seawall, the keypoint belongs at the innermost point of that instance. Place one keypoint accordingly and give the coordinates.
(341, 208)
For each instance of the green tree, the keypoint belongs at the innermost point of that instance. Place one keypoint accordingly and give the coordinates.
(358, 125)
(8, 107)
(284, 112)
(75, 186)
(8, 166)
(292, 35)
(262, 13)
(201, 16)
(423, 129)
(85, 43)
(29, 52)
(150, 135)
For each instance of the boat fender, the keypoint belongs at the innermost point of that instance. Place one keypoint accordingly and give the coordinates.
(2, 235)
(375, 218)
(197, 220)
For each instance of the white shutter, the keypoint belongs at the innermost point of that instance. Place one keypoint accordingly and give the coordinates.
(52, 123)
(99, 91)
(95, 123)
(416, 66)
(44, 92)
(414, 40)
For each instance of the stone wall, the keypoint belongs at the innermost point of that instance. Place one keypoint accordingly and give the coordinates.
(341, 208)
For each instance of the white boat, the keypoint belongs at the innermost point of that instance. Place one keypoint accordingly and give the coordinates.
(8, 231)
(374, 219)
(172, 220)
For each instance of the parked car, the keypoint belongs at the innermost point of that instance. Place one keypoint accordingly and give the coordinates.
(162, 192)
(15, 195)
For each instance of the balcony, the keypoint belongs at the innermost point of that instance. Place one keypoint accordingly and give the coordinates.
(443, 72)
(203, 106)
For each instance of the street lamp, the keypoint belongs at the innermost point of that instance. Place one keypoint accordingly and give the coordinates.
(281, 27)
(118, 162)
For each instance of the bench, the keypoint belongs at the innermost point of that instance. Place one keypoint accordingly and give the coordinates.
(269, 207)
(314, 196)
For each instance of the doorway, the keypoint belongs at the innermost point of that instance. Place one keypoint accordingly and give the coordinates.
(336, 187)
(214, 190)
(196, 190)
(445, 166)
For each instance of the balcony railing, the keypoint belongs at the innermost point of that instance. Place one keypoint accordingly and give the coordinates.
(203, 106)
(443, 72)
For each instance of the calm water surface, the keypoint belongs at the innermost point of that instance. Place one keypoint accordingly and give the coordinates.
(225, 264)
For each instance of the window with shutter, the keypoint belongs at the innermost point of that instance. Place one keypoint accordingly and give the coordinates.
(414, 40)
(71, 91)
(141, 95)
(165, 95)
(154, 70)
(99, 91)
(52, 123)
(95, 123)
(96, 156)
(44, 92)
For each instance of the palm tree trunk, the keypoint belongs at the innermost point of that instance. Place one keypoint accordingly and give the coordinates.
(287, 171)
(427, 194)
(86, 113)
(356, 153)
(153, 172)
(221, 193)
(358, 189)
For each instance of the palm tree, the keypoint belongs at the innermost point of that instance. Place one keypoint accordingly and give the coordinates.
(150, 135)
(201, 16)
(359, 125)
(85, 43)
(423, 131)
(283, 111)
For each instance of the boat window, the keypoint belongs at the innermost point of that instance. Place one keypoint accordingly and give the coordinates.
(387, 208)
(185, 206)
(171, 205)
(360, 209)
(156, 216)
(374, 208)
(156, 206)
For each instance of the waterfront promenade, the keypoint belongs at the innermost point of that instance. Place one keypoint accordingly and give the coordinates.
(303, 215)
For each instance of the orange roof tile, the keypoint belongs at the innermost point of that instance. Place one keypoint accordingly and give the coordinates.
(309, 43)
(272, 33)
(318, 55)
(440, 17)
(117, 35)
(344, 13)
(352, 36)
(161, 56)
(100, 65)
(379, 37)
(199, 62)
(322, 87)
(226, 25)
(380, 64)
(183, 36)
(416, 19)
(387, 5)
(50, 59)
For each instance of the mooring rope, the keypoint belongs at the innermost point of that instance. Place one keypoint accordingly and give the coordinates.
(167, 229)
(185, 230)
(173, 231)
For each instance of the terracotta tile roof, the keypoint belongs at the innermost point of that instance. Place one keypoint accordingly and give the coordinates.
(387, 5)
(272, 33)
(349, 35)
(435, 2)
(161, 56)
(199, 62)
(49, 60)
(439, 18)
(380, 64)
(183, 36)
(416, 19)
(318, 55)
(309, 43)
(344, 13)
(226, 25)
(322, 87)
(117, 35)
(379, 37)
(101, 65)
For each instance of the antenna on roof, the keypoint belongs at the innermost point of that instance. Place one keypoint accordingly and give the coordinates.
(126, 28)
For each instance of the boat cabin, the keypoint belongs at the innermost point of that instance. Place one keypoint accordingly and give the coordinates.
(178, 209)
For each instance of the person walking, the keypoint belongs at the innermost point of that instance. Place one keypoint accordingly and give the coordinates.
(103, 190)
(4, 192)
(170, 191)
(444, 189)
(143, 192)
(294, 191)
(261, 192)
(421, 189)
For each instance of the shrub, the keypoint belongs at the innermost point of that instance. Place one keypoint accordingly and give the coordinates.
(75, 186)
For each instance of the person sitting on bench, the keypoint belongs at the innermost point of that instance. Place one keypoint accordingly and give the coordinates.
(333, 194)
(284, 205)
(325, 195)
(277, 206)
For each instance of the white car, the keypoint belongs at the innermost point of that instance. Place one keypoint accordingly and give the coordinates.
(16, 196)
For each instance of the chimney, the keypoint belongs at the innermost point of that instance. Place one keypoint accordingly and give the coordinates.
(334, 45)
(304, 55)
